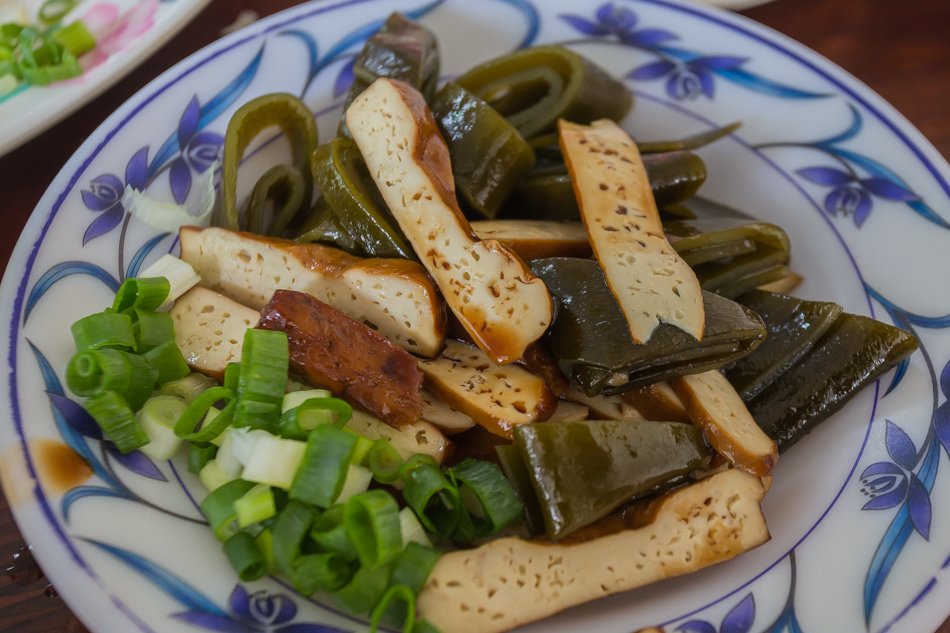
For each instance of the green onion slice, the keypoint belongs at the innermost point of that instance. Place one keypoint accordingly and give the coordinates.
(218, 507)
(289, 531)
(142, 293)
(364, 590)
(325, 463)
(296, 423)
(385, 461)
(150, 328)
(188, 388)
(372, 523)
(329, 532)
(434, 499)
(117, 420)
(245, 556)
(105, 329)
(415, 461)
(98, 370)
(265, 360)
(196, 411)
(168, 362)
(75, 38)
(325, 571)
(52, 10)
(199, 454)
(398, 600)
(255, 506)
(414, 565)
(489, 497)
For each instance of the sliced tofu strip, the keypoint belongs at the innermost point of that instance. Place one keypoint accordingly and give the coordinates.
(418, 437)
(510, 582)
(502, 305)
(658, 402)
(568, 411)
(395, 297)
(604, 407)
(209, 330)
(350, 359)
(536, 239)
(650, 280)
(498, 398)
(715, 407)
(441, 415)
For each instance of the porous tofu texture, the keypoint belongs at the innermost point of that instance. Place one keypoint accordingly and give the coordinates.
(501, 304)
(498, 398)
(510, 582)
(394, 297)
(650, 281)
(714, 406)
(209, 329)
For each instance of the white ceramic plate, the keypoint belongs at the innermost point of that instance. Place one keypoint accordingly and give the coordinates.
(130, 30)
(859, 510)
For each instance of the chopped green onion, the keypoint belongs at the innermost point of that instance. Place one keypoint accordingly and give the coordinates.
(117, 420)
(144, 293)
(423, 626)
(66, 68)
(104, 329)
(385, 461)
(75, 38)
(168, 361)
(325, 571)
(255, 506)
(150, 328)
(372, 523)
(487, 494)
(199, 454)
(294, 399)
(98, 370)
(414, 565)
(415, 461)
(296, 423)
(245, 556)
(265, 543)
(357, 480)
(52, 10)
(290, 529)
(218, 507)
(329, 532)
(187, 388)
(323, 469)
(411, 529)
(232, 376)
(275, 461)
(434, 499)
(363, 592)
(180, 275)
(361, 451)
(213, 477)
(158, 417)
(187, 425)
(398, 599)
(265, 360)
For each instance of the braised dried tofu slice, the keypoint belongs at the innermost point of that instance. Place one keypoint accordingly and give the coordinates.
(604, 407)
(353, 361)
(715, 407)
(502, 305)
(209, 329)
(657, 402)
(441, 415)
(510, 582)
(393, 296)
(497, 397)
(536, 239)
(650, 281)
(408, 440)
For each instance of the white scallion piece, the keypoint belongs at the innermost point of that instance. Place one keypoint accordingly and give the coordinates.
(274, 461)
(158, 417)
(412, 530)
(358, 479)
(213, 477)
(180, 275)
(166, 216)
(297, 398)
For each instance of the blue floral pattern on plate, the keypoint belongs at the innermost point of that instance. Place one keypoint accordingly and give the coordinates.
(894, 476)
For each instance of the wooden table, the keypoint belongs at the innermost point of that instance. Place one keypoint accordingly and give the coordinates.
(902, 51)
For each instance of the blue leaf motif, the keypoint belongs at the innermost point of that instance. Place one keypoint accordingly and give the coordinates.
(740, 619)
(75, 416)
(718, 62)
(312, 51)
(305, 627)
(82, 492)
(583, 25)
(647, 38)
(652, 71)
(918, 505)
(188, 123)
(889, 499)
(883, 188)
(527, 8)
(942, 425)
(345, 78)
(136, 462)
(175, 587)
(945, 381)
(827, 176)
(214, 622)
(136, 171)
(899, 446)
(61, 271)
(104, 223)
(136, 264)
(179, 178)
(618, 18)
(696, 626)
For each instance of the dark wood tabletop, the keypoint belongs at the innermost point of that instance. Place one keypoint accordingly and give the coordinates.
(901, 50)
